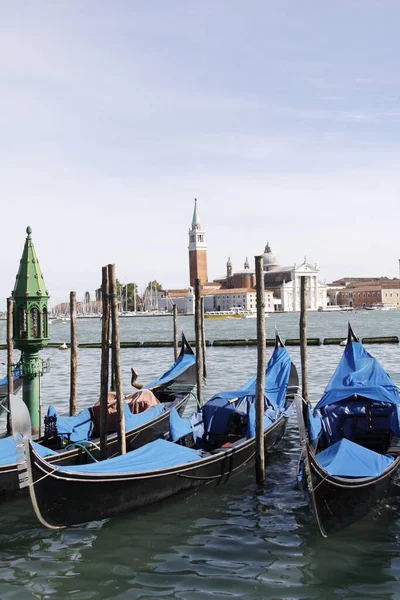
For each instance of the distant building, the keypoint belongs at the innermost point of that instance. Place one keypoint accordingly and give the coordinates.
(367, 292)
(197, 250)
(282, 284)
(236, 289)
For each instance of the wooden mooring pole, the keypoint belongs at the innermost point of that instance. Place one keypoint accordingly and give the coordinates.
(175, 320)
(261, 364)
(10, 358)
(116, 359)
(105, 362)
(303, 337)
(203, 338)
(197, 330)
(74, 354)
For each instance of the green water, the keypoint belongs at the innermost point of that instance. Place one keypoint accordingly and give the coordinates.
(233, 541)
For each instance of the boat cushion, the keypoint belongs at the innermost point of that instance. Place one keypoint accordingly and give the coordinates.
(76, 428)
(159, 454)
(347, 459)
(8, 451)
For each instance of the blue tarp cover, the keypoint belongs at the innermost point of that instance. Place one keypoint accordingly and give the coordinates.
(347, 459)
(8, 451)
(276, 381)
(16, 374)
(183, 362)
(79, 427)
(132, 421)
(359, 373)
(153, 456)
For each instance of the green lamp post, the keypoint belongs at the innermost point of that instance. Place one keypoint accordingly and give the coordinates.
(30, 326)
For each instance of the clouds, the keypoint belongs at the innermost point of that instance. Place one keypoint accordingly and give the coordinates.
(281, 118)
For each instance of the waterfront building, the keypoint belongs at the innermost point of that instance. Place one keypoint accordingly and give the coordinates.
(373, 292)
(236, 289)
(282, 284)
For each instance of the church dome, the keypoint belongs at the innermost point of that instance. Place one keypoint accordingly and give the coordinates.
(269, 259)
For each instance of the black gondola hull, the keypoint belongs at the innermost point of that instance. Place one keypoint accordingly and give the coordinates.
(61, 498)
(342, 501)
(158, 427)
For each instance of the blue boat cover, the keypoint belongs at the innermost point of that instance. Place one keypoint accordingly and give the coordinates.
(251, 423)
(359, 373)
(76, 428)
(276, 382)
(153, 456)
(132, 421)
(183, 362)
(314, 425)
(347, 459)
(178, 426)
(16, 375)
(8, 454)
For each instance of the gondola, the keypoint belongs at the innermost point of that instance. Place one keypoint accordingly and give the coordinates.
(208, 447)
(17, 381)
(68, 441)
(350, 441)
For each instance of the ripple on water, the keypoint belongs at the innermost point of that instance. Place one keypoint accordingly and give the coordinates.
(231, 541)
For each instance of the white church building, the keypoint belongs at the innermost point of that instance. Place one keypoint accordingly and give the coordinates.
(285, 282)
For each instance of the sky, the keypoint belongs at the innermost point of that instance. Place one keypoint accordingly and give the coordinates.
(281, 117)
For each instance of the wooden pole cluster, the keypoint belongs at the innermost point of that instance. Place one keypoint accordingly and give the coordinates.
(303, 338)
(116, 359)
(10, 359)
(74, 354)
(175, 319)
(105, 362)
(203, 338)
(197, 329)
(261, 364)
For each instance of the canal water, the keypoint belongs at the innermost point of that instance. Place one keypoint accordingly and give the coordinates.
(232, 541)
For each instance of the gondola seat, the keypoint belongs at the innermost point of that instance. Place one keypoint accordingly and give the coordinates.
(365, 422)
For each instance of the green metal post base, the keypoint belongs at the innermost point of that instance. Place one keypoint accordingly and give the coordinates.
(31, 371)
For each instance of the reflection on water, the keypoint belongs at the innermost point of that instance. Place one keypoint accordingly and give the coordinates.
(233, 541)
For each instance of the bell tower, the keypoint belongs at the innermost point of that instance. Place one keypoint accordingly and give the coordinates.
(197, 250)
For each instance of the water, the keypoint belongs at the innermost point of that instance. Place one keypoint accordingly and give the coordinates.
(233, 541)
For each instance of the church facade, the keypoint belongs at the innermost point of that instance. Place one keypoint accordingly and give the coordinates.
(237, 288)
